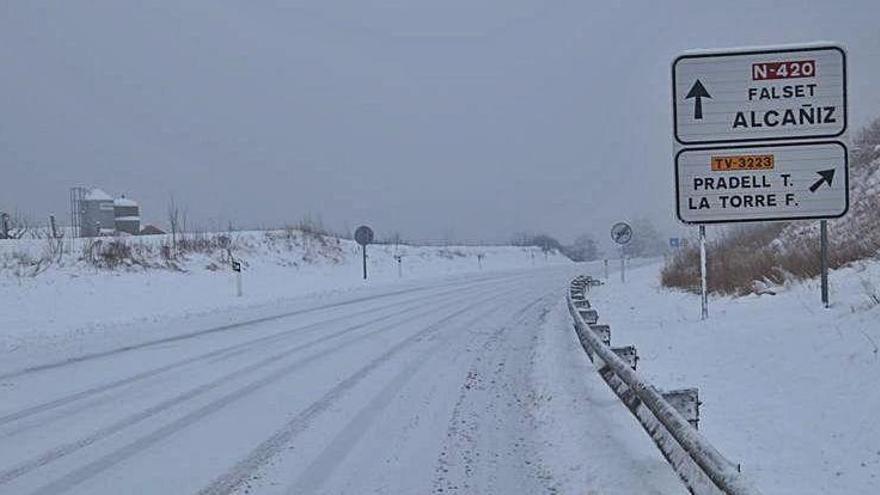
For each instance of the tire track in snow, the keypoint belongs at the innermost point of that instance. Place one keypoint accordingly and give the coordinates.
(491, 378)
(230, 326)
(223, 352)
(323, 466)
(60, 451)
(237, 476)
(106, 461)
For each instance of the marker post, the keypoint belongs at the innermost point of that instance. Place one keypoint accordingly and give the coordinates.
(236, 267)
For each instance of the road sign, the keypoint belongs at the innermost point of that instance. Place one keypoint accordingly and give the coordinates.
(784, 181)
(621, 233)
(236, 266)
(759, 95)
(363, 235)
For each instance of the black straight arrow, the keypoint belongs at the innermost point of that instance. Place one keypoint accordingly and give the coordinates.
(698, 92)
(827, 176)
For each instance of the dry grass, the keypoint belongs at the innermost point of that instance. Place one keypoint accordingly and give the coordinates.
(745, 259)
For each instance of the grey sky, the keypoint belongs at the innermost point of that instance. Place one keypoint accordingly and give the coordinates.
(450, 118)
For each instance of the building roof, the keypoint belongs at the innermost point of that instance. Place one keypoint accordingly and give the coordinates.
(151, 230)
(123, 201)
(96, 194)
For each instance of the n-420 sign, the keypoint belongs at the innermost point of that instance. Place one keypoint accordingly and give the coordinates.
(754, 134)
(759, 95)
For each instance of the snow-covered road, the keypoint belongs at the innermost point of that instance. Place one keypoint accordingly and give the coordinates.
(475, 385)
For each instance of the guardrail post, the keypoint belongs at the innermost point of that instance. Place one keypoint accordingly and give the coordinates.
(603, 332)
(627, 353)
(687, 402)
(590, 316)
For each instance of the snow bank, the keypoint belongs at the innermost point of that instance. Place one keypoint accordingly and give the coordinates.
(789, 388)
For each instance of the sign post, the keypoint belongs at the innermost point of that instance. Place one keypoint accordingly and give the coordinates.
(704, 281)
(758, 137)
(621, 233)
(823, 254)
(363, 236)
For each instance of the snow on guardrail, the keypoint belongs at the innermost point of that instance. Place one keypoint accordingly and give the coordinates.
(699, 465)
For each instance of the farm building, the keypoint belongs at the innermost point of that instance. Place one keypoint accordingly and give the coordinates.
(128, 215)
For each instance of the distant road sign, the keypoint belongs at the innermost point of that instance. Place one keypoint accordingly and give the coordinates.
(236, 266)
(363, 235)
(759, 95)
(621, 233)
(785, 181)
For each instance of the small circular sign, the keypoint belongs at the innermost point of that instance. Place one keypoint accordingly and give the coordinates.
(363, 235)
(621, 233)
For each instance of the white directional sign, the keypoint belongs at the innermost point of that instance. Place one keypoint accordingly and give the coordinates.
(784, 181)
(759, 95)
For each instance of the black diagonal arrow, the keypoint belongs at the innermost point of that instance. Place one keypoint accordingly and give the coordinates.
(698, 92)
(826, 176)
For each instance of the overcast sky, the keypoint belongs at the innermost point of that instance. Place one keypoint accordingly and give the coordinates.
(463, 119)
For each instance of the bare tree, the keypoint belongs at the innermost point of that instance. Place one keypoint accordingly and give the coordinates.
(583, 249)
(393, 238)
(173, 223)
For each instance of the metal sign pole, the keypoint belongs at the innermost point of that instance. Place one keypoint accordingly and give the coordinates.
(365, 261)
(704, 286)
(823, 254)
(621, 233)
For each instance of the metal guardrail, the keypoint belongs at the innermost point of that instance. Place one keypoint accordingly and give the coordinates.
(699, 465)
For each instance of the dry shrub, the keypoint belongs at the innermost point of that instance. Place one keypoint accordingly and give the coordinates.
(200, 242)
(114, 253)
(740, 258)
(747, 258)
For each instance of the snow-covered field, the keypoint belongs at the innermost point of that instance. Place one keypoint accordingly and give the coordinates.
(55, 309)
(790, 389)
